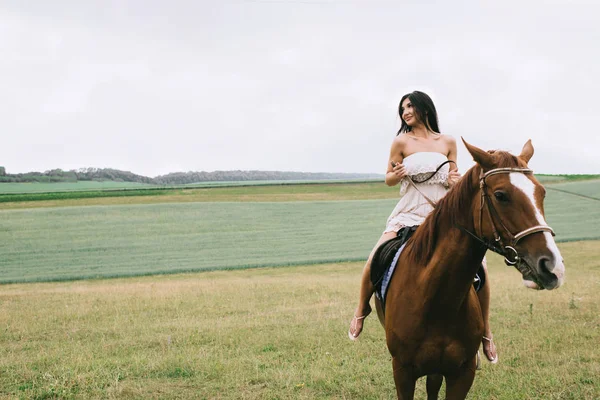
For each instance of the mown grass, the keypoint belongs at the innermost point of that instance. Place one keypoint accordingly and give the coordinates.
(587, 188)
(52, 187)
(37, 187)
(83, 242)
(52, 196)
(548, 178)
(110, 241)
(573, 217)
(277, 334)
(253, 193)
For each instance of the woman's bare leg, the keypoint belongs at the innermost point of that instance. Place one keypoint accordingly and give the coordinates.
(484, 300)
(366, 291)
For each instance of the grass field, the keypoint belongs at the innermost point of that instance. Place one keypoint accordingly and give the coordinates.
(37, 187)
(22, 195)
(566, 178)
(269, 333)
(80, 186)
(291, 192)
(10, 188)
(277, 334)
(589, 189)
(63, 243)
(80, 242)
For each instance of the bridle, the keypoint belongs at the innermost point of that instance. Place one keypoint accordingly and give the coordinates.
(508, 251)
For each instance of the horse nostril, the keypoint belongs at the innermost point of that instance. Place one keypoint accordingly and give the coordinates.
(545, 265)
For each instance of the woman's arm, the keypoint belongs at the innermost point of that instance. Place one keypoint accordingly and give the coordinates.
(395, 169)
(453, 174)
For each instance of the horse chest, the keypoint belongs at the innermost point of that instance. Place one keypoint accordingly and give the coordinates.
(433, 354)
(433, 344)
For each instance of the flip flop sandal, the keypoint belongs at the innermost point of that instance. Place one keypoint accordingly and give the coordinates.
(353, 326)
(491, 360)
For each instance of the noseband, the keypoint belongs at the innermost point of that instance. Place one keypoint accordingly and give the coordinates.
(508, 251)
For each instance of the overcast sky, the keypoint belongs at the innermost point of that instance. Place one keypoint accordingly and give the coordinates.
(162, 86)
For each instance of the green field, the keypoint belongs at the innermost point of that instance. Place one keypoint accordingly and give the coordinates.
(304, 192)
(544, 178)
(37, 187)
(278, 334)
(63, 243)
(17, 199)
(82, 242)
(590, 189)
(96, 186)
(269, 333)
(83, 191)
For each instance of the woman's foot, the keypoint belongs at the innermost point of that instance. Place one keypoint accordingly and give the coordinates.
(356, 325)
(489, 349)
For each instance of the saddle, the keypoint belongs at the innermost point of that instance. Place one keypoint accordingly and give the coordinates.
(386, 258)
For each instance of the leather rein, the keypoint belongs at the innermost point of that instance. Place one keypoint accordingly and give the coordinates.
(413, 183)
(508, 251)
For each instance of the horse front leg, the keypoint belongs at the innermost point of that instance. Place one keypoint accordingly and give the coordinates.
(405, 381)
(458, 386)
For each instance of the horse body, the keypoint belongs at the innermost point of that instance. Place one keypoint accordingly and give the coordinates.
(433, 320)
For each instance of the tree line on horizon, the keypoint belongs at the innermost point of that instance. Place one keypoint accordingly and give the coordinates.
(175, 178)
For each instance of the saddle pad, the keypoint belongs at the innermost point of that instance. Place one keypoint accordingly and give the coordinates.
(381, 291)
(385, 259)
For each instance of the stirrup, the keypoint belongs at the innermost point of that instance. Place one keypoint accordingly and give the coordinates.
(350, 335)
(491, 340)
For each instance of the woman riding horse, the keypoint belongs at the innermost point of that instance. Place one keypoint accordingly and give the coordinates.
(417, 150)
(433, 320)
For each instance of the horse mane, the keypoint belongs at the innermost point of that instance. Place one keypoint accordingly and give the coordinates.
(452, 206)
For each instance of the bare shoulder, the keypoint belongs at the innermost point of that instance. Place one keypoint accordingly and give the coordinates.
(400, 141)
(398, 146)
(401, 138)
(448, 139)
(450, 144)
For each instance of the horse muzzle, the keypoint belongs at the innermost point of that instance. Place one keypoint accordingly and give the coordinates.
(542, 272)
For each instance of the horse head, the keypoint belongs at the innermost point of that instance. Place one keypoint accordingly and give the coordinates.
(509, 216)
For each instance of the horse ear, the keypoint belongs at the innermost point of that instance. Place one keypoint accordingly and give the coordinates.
(527, 151)
(481, 157)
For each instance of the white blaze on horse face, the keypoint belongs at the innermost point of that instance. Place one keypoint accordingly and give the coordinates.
(521, 182)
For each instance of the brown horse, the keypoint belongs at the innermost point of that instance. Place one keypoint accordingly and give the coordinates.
(433, 320)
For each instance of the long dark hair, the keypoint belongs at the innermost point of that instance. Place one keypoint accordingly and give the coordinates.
(424, 108)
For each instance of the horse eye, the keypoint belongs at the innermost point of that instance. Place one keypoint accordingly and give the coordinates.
(501, 196)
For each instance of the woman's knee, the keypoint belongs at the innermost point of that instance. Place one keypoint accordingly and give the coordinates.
(384, 238)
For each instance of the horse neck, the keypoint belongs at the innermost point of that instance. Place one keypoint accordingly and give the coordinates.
(457, 256)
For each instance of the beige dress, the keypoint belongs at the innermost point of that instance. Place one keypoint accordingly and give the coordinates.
(412, 208)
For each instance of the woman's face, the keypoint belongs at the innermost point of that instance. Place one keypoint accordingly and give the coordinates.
(409, 114)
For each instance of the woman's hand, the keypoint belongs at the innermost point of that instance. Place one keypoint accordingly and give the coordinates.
(453, 177)
(399, 170)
